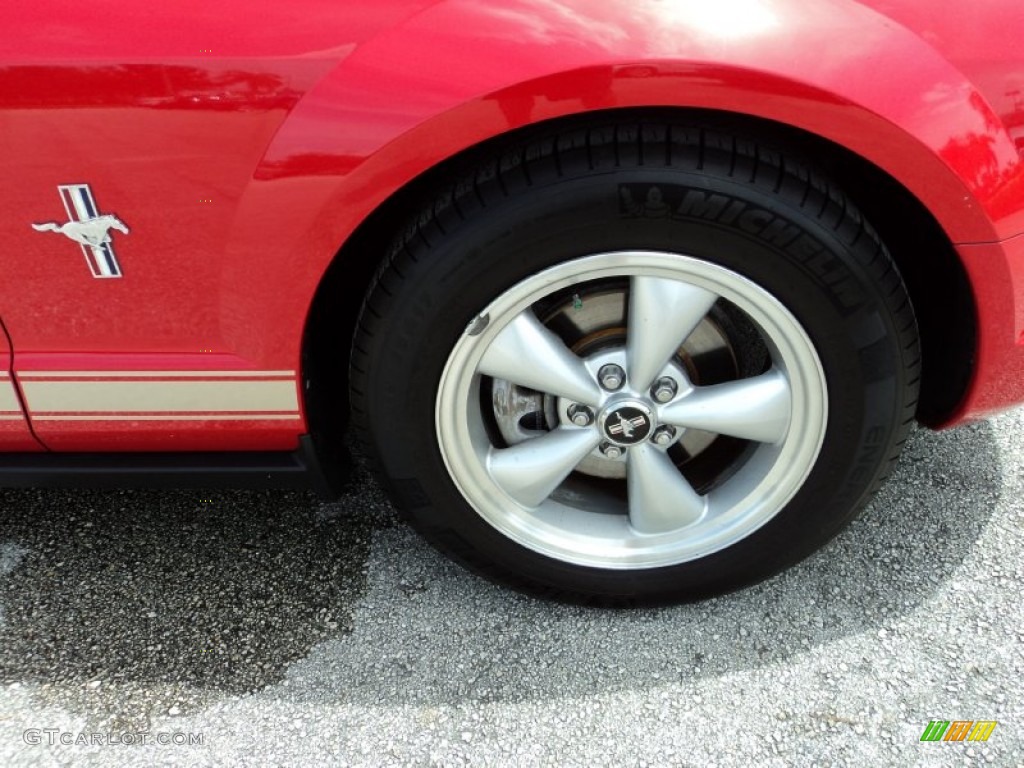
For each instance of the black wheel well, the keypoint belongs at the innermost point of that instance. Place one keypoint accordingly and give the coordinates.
(935, 278)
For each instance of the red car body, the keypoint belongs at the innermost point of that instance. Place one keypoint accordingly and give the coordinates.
(245, 143)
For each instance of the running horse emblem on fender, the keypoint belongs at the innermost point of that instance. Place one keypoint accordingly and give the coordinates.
(88, 228)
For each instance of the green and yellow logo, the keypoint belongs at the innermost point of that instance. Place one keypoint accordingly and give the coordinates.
(958, 730)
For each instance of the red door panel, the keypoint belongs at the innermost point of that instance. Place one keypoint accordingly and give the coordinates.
(147, 302)
(156, 118)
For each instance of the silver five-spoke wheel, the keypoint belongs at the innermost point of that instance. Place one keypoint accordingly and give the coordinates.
(574, 410)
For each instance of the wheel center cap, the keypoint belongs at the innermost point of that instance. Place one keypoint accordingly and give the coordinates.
(627, 422)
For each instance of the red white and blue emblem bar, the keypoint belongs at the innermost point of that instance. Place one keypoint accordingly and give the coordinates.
(80, 205)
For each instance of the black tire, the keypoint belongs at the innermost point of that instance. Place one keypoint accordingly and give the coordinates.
(658, 186)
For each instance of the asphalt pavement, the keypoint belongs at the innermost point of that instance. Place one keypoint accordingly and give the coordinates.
(267, 628)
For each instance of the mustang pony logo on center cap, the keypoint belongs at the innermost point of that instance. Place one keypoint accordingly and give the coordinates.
(627, 423)
(626, 427)
(88, 228)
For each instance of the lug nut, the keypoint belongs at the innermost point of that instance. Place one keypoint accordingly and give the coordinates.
(611, 451)
(580, 415)
(612, 377)
(664, 389)
(664, 436)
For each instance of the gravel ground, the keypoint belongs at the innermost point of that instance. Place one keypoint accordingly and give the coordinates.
(288, 632)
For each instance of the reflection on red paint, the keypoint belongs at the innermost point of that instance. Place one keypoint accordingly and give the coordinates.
(246, 142)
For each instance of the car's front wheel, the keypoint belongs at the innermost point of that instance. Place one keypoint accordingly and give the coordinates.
(635, 362)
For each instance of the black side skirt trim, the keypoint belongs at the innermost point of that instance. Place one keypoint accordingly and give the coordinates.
(299, 469)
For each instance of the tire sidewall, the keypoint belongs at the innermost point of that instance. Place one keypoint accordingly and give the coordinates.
(816, 276)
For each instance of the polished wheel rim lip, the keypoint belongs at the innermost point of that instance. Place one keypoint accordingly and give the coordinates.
(569, 528)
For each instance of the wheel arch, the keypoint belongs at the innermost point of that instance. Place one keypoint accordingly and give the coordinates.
(936, 280)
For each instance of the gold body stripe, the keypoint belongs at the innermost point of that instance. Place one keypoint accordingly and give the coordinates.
(44, 375)
(187, 395)
(10, 406)
(224, 416)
